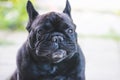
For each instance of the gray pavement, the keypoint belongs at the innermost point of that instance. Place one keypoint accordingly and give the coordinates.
(102, 59)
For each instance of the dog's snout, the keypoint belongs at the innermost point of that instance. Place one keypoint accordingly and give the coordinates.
(57, 39)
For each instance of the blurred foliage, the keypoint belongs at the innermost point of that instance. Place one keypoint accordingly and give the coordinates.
(118, 13)
(13, 14)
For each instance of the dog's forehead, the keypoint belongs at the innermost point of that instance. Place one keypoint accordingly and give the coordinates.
(52, 18)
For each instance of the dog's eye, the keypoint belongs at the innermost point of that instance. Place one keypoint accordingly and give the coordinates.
(70, 30)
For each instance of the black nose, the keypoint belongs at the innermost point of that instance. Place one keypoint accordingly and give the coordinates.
(57, 38)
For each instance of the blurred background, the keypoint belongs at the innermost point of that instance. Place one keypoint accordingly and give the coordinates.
(98, 28)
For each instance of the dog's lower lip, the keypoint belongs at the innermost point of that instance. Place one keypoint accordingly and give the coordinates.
(59, 54)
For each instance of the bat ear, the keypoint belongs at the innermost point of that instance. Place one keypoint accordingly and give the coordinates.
(67, 9)
(32, 13)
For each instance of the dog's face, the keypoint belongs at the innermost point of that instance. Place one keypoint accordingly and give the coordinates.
(52, 36)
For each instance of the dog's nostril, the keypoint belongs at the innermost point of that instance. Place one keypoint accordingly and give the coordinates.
(60, 38)
(54, 39)
(57, 39)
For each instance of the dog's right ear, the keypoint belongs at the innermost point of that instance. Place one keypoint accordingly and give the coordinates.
(32, 13)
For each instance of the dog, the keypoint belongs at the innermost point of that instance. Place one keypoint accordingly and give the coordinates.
(51, 51)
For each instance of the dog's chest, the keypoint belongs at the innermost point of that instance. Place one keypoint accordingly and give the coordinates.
(47, 72)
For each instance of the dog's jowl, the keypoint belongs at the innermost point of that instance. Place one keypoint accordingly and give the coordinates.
(51, 51)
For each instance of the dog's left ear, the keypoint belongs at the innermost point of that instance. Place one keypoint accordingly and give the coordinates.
(32, 13)
(67, 9)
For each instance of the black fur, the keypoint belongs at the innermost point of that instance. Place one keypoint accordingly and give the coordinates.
(51, 51)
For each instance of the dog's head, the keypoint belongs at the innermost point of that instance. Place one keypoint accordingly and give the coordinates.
(52, 36)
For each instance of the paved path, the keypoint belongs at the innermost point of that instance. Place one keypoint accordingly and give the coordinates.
(102, 57)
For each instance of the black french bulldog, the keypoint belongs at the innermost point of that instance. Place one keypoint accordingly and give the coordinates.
(51, 51)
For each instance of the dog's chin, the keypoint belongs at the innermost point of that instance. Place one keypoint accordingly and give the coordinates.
(62, 56)
(59, 56)
(57, 60)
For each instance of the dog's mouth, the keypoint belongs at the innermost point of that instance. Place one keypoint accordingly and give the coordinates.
(59, 55)
(55, 56)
